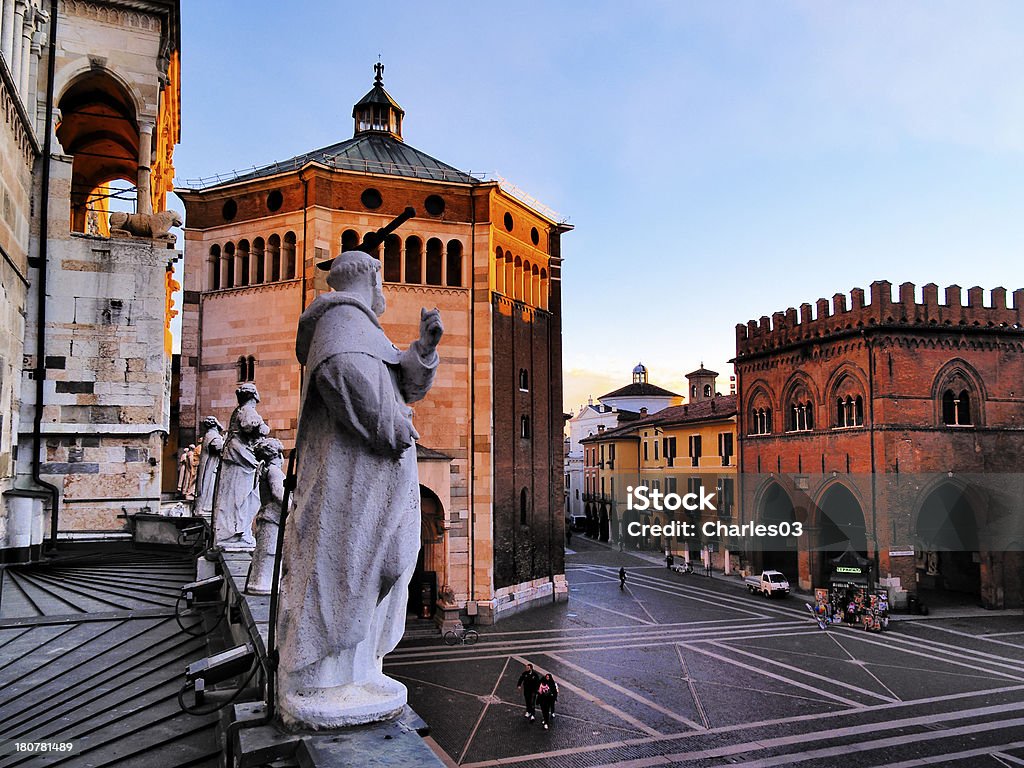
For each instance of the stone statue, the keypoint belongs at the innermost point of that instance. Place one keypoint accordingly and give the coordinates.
(183, 454)
(237, 499)
(152, 226)
(191, 460)
(270, 452)
(206, 478)
(353, 533)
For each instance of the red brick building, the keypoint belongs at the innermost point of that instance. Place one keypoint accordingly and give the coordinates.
(894, 428)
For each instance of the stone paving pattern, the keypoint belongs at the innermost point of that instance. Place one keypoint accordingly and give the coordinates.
(688, 670)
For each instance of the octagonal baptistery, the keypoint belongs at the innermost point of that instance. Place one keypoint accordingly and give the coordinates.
(488, 257)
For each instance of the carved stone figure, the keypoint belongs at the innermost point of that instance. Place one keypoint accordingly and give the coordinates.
(353, 533)
(191, 470)
(209, 460)
(270, 452)
(237, 499)
(183, 468)
(152, 226)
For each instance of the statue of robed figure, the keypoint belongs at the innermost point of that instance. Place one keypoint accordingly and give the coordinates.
(353, 535)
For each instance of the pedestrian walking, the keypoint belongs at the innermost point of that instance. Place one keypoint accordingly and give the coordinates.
(547, 695)
(669, 560)
(529, 682)
(622, 579)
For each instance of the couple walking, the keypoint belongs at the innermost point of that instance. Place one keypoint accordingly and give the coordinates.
(538, 690)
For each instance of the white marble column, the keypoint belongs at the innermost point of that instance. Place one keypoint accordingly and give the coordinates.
(26, 52)
(145, 200)
(7, 31)
(14, 62)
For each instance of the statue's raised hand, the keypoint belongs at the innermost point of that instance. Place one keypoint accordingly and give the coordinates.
(431, 329)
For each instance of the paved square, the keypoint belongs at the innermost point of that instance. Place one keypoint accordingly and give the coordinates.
(687, 670)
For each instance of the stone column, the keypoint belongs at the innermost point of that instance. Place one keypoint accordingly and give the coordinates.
(145, 199)
(14, 61)
(26, 52)
(7, 31)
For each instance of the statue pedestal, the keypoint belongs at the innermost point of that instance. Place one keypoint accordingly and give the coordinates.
(319, 709)
(397, 743)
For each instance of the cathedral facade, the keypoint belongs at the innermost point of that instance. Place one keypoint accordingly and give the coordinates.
(490, 448)
(91, 94)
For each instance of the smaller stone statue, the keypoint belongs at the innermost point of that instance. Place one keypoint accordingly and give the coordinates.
(151, 226)
(270, 453)
(191, 470)
(183, 454)
(209, 460)
(237, 498)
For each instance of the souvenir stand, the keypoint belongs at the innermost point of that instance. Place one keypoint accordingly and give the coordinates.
(851, 593)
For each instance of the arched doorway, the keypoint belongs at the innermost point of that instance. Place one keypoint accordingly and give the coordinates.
(840, 526)
(947, 536)
(429, 575)
(778, 553)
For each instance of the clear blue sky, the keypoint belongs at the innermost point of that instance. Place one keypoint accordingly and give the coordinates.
(719, 160)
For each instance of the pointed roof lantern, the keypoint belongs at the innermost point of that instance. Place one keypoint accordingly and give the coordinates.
(377, 112)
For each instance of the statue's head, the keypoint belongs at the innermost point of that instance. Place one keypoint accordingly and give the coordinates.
(247, 392)
(212, 422)
(268, 449)
(358, 273)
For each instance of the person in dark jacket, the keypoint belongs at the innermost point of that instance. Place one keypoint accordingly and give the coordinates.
(622, 578)
(547, 695)
(529, 681)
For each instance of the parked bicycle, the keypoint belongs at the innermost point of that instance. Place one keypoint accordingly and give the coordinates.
(464, 636)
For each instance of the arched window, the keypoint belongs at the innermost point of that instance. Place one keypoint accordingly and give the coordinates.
(524, 380)
(527, 278)
(523, 506)
(524, 427)
(288, 254)
(435, 261)
(227, 276)
(544, 289)
(259, 261)
(349, 240)
(499, 270)
(761, 421)
(414, 260)
(242, 263)
(801, 416)
(454, 264)
(707, 390)
(393, 259)
(213, 272)
(510, 276)
(693, 391)
(243, 369)
(274, 256)
(535, 286)
(517, 288)
(250, 368)
(956, 408)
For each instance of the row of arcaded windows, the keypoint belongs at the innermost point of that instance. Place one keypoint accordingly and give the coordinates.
(412, 261)
(520, 280)
(234, 265)
(849, 412)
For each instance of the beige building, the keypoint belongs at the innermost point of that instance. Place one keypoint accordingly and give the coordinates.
(91, 99)
(489, 258)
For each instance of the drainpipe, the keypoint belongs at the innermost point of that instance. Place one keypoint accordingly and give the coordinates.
(472, 399)
(44, 219)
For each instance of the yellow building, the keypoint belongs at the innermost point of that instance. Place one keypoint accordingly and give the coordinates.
(639, 477)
